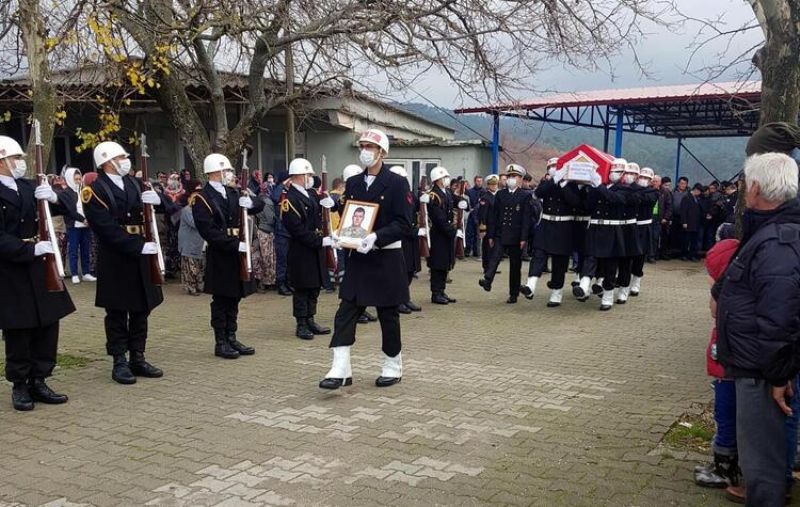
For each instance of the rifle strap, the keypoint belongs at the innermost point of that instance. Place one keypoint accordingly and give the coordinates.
(87, 194)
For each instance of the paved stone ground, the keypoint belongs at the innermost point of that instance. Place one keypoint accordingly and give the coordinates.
(500, 405)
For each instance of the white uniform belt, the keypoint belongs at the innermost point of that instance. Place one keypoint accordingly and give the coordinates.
(595, 221)
(644, 222)
(557, 218)
(392, 246)
(582, 219)
(630, 221)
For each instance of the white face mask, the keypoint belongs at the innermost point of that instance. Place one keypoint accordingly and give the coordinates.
(614, 177)
(123, 166)
(511, 183)
(19, 168)
(643, 182)
(551, 171)
(227, 178)
(367, 158)
(446, 181)
(308, 183)
(630, 178)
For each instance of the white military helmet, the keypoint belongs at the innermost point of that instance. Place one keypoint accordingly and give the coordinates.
(399, 170)
(216, 162)
(646, 172)
(632, 168)
(9, 147)
(300, 166)
(553, 161)
(376, 137)
(492, 178)
(515, 169)
(351, 171)
(438, 173)
(619, 164)
(106, 151)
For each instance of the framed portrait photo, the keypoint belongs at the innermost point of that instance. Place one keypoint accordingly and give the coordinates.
(357, 221)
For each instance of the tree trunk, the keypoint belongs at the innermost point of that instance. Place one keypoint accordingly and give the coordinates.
(291, 143)
(43, 91)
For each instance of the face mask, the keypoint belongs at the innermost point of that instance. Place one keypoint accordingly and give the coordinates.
(308, 183)
(447, 181)
(551, 171)
(123, 167)
(511, 183)
(227, 177)
(643, 182)
(614, 177)
(367, 158)
(19, 169)
(270, 181)
(630, 178)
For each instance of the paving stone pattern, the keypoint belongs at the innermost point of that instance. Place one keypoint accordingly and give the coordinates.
(499, 405)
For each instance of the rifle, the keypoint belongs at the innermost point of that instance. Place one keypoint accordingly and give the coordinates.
(460, 222)
(245, 259)
(53, 264)
(150, 227)
(422, 223)
(330, 255)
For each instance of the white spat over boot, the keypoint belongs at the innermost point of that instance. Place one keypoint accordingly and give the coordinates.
(529, 289)
(392, 370)
(341, 372)
(555, 298)
(608, 300)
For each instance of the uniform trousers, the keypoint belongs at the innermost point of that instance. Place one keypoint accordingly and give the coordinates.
(224, 313)
(281, 254)
(637, 266)
(125, 331)
(589, 266)
(438, 280)
(30, 353)
(304, 303)
(515, 265)
(344, 326)
(624, 271)
(486, 253)
(559, 268)
(607, 270)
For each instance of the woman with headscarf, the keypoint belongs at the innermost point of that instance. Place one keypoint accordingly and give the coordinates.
(79, 236)
(263, 248)
(175, 192)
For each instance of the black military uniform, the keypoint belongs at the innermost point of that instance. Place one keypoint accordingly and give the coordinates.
(605, 241)
(509, 225)
(443, 234)
(633, 247)
(485, 214)
(217, 219)
(29, 314)
(411, 255)
(301, 215)
(377, 278)
(644, 229)
(124, 287)
(575, 196)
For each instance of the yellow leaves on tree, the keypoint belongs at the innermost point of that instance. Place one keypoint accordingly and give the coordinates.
(109, 127)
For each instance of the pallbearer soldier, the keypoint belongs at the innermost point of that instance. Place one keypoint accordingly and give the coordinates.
(29, 313)
(485, 210)
(627, 186)
(508, 231)
(217, 216)
(301, 215)
(644, 227)
(411, 246)
(113, 206)
(376, 271)
(443, 234)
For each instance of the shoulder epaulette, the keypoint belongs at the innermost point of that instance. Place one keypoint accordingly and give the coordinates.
(434, 195)
(196, 196)
(286, 205)
(87, 194)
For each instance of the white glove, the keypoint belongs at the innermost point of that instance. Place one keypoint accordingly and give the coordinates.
(422, 233)
(242, 247)
(245, 202)
(460, 234)
(151, 197)
(43, 248)
(596, 179)
(45, 193)
(462, 204)
(327, 241)
(425, 198)
(326, 202)
(563, 183)
(560, 173)
(149, 248)
(367, 243)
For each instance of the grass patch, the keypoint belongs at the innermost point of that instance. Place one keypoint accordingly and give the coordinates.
(692, 432)
(65, 361)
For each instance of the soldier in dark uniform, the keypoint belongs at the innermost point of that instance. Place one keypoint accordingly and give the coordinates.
(29, 313)
(113, 206)
(644, 227)
(411, 246)
(575, 196)
(508, 231)
(633, 247)
(376, 271)
(554, 238)
(443, 235)
(216, 210)
(485, 213)
(301, 215)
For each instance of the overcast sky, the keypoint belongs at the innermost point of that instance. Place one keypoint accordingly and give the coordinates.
(665, 54)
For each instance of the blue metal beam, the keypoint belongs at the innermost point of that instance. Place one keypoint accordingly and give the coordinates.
(495, 143)
(618, 136)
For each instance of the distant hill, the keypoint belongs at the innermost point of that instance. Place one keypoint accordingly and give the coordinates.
(724, 157)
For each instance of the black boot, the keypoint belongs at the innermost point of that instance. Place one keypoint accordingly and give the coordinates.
(449, 299)
(121, 372)
(404, 309)
(512, 299)
(222, 347)
(438, 298)
(303, 332)
(414, 307)
(486, 284)
(316, 328)
(284, 290)
(362, 319)
(240, 347)
(21, 397)
(723, 472)
(42, 392)
(141, 368)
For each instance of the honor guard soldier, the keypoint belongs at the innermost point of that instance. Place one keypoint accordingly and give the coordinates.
(217, 216)
(627, 186)
(301, 215)
(113, 206)
(485, 210)
(508, 231)
(553, 238)
(644, 227)
(443, 234)
(29, 313)
(376, 271)
(410, 246)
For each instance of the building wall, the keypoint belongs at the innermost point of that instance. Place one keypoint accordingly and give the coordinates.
(467, 161)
